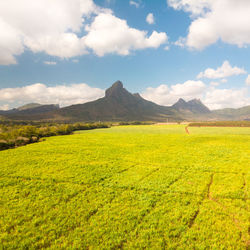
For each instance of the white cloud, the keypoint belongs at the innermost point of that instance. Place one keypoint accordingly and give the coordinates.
(248, 80)
(109, 34)
(201, 34)
(42, 26)
(63, 95)
(5, 107)
(226, 98)
(225, 20)
(195, 7)
(212, 97)
(75, 61)
(214, 83)
(165, 95)
(224, 80)
(55, 28)
(63, 45)
(150, 18)
(10, 43)
(50, 62)
(225, 70)
(180, 42)
(134, 3)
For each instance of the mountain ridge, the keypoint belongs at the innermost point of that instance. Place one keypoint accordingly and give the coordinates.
(118, 104)
(194, 106)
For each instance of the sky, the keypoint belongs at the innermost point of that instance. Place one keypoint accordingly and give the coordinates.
(69, 52)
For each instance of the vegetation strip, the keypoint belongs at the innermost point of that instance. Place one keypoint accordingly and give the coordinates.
(221, 124)
(14, 134)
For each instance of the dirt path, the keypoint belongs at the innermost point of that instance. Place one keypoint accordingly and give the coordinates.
(186, 129)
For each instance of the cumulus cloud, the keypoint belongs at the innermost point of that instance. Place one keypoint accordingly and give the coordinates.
(195, 7)
(63, 95)
(5, 107)
(134, 3)
(212, 97)
(225, 20)
(56, 28)
(214, 83)
(109, 34)
(10, 43)
(226, 98)
(150, 18)
(248, 80)
(42, 26)
(168, 95)
(225, 70)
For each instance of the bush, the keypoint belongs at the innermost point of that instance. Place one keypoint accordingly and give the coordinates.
(3, 144)
(21, 141)
(34, 139)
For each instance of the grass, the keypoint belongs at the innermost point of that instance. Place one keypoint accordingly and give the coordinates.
(128, 187)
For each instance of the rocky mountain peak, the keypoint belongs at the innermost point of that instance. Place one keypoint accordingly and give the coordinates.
(115, 89)
(194, 105)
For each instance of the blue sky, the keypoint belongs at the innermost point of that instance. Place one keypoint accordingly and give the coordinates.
(79, 68)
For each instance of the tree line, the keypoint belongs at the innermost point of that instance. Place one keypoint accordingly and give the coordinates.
(14, 134)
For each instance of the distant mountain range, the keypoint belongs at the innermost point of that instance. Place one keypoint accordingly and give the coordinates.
(32, 111)
(234, 114)
(120, 105)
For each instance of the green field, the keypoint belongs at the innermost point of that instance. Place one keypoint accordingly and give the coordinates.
(128, 187)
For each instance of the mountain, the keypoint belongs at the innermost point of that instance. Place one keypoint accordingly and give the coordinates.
(196, 110)
(234, 114)
(194, 106)
(31, 111)
(29, 106)
(193, 110)
(118, 105)
(181, 104)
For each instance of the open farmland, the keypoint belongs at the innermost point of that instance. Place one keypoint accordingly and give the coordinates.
(128, 187)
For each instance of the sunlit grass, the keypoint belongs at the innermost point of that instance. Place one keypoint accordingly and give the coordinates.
(128, 187)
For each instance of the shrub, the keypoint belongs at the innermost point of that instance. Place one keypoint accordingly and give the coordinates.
(34, 139)
(21, 141)
(3, 144)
